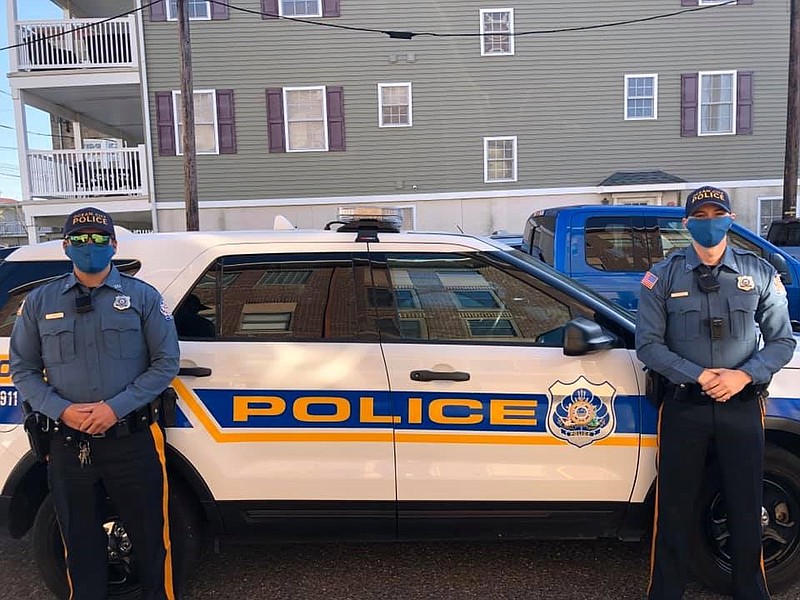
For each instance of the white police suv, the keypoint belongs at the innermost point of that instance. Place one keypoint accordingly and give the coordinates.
(369, 384)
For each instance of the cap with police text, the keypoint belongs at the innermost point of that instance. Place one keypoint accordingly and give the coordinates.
(89, 218)
(707, 195)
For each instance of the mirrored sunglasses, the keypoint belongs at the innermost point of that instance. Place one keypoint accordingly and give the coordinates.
(80, 239)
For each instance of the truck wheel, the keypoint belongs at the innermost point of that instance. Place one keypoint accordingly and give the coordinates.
(123, 579)
(780, 518)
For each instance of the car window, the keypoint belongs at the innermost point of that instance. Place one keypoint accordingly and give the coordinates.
(611, 245)
(670, 235)
(462, 298)
(19, 278)
(784, 234)
(540, 230)
(277, 297)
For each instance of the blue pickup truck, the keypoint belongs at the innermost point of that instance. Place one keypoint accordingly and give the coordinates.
(608, 248)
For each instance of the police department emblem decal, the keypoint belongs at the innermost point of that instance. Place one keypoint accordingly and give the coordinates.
(122, 302)
(581, 412)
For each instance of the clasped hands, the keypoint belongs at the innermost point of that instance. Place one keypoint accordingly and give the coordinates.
(722, 384)
(90, 417)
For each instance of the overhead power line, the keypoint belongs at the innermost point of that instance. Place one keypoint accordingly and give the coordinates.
(407, 35)
(395, 34)
(82, 27)
(50, 135)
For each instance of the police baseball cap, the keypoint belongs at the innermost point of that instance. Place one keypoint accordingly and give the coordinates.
(707, 195)
(89, 218)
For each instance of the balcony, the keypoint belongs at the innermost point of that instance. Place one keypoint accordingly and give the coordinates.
(87, 173)
(76, 44)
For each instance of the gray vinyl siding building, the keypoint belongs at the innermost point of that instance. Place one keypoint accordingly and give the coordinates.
(561, 95)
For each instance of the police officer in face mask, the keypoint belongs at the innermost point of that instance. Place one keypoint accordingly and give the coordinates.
(700, 312)
(108, 346)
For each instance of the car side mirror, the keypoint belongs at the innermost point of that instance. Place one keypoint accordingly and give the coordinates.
(582, 336)
(779, 262)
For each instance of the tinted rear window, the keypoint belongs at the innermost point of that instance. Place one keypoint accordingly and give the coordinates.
(17, 279)
(784, 234)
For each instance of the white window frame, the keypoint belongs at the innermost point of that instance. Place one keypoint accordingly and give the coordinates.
(317, 14)
(734, 101)
(486, 141)
(175, 16)
(409, 212)
(286, 91)
(654, 77)
(510, 34)
(710, 2)
(175, 116)
(383, 86)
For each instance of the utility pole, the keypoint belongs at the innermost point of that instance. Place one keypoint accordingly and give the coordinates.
(792, 115)
(187, 116)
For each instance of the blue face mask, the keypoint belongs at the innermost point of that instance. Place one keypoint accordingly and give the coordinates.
(709, 232)
(90, 258)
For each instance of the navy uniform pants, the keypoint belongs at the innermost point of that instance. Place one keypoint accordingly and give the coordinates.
(131, 470)
(686, 431)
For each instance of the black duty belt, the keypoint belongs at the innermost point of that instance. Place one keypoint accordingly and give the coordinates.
(138, 420)
(693, 393)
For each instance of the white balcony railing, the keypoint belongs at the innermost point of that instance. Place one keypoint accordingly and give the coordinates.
(57, 44)
(87, 173)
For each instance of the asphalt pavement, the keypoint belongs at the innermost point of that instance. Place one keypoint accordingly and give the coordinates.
(541, 570)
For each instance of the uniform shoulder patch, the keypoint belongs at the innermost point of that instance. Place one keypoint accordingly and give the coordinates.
(165, 310)
(779, 287)
(649, 280)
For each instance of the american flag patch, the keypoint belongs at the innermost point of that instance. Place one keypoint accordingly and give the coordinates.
(649, 280)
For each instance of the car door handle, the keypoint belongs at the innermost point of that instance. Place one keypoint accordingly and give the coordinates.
(439, 376)
(194, 371)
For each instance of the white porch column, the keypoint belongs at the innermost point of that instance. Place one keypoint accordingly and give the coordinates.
(11, 17)
(77, 133)
(30, 227)
(21, 124)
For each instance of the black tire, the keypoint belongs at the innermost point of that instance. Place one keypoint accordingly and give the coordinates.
(185, 532)
(709, 556)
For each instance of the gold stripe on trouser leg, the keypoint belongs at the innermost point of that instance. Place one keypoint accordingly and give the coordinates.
(655, 511)
(66, 565)
(158, 437)
(763, 408)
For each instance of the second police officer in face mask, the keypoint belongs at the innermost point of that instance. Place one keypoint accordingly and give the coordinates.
(703, 313)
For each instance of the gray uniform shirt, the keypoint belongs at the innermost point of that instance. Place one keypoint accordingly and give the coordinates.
(673, 331)
(124, 351)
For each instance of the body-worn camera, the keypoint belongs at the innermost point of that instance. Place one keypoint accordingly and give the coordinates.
(83, 303)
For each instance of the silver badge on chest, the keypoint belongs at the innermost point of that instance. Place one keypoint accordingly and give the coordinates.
(745, 283)
(122, 302)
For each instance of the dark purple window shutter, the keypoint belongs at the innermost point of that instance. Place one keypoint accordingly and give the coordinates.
(226, 125)
(158, 11)
(744, 103)
(689, 2)
(335, 100)
(220, 10)
(330, 8)
(165, 121)
(689, 82)
(275, 130)
(269, 9)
